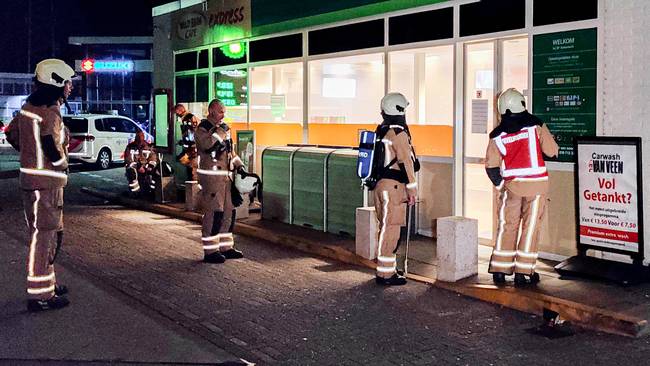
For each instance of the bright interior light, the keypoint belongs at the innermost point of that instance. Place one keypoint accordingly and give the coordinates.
(235, 47)
(339, 88)
(338, 69)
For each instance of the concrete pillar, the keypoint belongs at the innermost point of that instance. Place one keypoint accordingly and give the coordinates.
(242, 210)
(457, 248)
(167, 191)
(366, 232)
(191, 195)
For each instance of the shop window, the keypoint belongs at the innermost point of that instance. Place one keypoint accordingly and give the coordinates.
(276, 48)
(423, 26)
(185, 88)
(185, 61)
(232, 89)
(344, 97)
(426, 77)
(203, 59)
(347, 37)
(546, 11)
(487, 16)
(202, 84)
(229, 54)
(276, 93)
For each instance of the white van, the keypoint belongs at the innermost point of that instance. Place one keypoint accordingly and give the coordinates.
(100, 138)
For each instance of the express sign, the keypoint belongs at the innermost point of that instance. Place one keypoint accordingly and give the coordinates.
(91, 65)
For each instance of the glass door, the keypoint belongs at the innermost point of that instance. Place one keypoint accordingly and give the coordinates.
(480, 86)
(490, 67)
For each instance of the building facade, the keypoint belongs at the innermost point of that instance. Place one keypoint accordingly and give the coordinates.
(313, 73)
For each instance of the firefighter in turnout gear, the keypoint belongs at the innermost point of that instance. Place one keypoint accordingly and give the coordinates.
(515, 165)
(396, 186)
(187, 157)
(217, 163)
(141, 162)
(39, 134)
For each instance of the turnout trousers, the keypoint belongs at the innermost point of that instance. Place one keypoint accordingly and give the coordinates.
(218, 214)
(44, 217)
(390, 206)
(515, 249)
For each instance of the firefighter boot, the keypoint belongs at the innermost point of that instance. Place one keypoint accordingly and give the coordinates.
(396, 280)
(53, 303)
(520, 279)
(215, 257)
(60, 290)
(233, 254)
(499, 277)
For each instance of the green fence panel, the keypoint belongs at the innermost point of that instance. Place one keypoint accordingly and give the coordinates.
(344, 192)
(276, 175)
(308, 187)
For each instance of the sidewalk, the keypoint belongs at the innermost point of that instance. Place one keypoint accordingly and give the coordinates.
(101, 326)
(593, 305)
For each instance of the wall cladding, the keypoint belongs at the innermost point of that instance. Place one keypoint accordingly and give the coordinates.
(626, 82)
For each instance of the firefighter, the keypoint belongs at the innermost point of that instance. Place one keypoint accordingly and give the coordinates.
(187, 157)
(141, 161)
(515, 164)
(217, 163)
(396, 186)
(39, 134)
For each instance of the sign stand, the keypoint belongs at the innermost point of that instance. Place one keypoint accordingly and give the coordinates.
(609, 209)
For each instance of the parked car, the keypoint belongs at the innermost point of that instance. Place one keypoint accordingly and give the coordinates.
(100, 138)
(3, 137)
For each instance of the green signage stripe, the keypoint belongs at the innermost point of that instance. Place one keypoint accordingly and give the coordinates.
(336, 16)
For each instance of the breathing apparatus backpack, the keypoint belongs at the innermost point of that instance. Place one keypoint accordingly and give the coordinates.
(370, 160)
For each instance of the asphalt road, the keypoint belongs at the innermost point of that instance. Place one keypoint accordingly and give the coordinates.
(278, 306)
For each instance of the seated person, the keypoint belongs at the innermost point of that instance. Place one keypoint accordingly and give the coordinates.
(141, 162)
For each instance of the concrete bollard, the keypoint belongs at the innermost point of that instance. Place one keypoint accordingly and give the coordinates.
(242, 210)
(366, 233)
(457, 248)
(191, 195)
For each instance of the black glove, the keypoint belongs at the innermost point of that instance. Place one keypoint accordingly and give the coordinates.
(236, 197)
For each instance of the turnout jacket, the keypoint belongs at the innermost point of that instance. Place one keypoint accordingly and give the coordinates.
(515, 154)
(139, 154)
(40, 136)
(399, 157)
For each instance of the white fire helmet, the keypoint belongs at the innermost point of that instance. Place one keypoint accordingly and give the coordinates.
(513, 100)
(54, 72)
(394, 104)
(245, 184)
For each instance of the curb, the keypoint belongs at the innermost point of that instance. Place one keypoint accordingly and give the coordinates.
(524, 300)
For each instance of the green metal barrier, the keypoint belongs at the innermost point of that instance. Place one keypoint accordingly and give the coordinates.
(308, 187)
(312, 187)
(276, 177)
(344, 192)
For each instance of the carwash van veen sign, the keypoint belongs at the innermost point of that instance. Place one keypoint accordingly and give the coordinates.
(609, 194)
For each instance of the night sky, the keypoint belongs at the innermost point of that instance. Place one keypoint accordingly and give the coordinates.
(53, 21)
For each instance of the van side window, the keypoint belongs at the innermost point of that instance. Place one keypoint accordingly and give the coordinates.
(129, 126)
(113, 125)
(99, 125)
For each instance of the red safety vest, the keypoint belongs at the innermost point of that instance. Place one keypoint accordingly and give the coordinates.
(522, 155)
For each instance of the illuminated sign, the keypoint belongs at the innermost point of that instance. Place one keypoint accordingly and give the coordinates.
(231, 87)
(234, 73)
(91, 65)
(234, 50)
